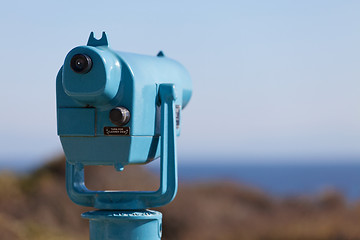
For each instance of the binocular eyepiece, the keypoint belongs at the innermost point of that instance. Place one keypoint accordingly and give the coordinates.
(81, 63)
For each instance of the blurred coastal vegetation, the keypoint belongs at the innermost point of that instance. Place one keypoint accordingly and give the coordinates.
(36, 206)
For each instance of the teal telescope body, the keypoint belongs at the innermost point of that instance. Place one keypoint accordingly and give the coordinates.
(116, 108)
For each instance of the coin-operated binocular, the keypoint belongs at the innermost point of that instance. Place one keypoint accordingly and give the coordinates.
(116, 108)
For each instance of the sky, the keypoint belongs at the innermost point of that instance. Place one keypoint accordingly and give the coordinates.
(273, 80)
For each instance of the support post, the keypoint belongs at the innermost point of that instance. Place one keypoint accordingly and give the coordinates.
(124, 225)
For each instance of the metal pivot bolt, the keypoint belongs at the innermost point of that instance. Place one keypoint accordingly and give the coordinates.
(119, 116)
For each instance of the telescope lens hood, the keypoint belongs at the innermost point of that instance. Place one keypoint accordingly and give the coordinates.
(81, 63)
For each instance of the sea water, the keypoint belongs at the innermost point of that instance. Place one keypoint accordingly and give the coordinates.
(281, 179)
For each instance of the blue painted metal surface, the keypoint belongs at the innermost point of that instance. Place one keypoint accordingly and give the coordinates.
(152, 91)
(129, 225)
(78, 192)
(116, 79)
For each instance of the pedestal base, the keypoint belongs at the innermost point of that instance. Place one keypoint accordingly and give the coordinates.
(124, 225)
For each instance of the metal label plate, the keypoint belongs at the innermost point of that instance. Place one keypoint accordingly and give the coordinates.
(116, 131)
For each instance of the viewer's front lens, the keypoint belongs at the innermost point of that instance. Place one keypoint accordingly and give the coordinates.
(81, 63)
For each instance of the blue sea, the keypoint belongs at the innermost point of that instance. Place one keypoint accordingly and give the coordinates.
(281, 179)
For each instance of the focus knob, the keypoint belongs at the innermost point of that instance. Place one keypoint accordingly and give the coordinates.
(119, 116)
